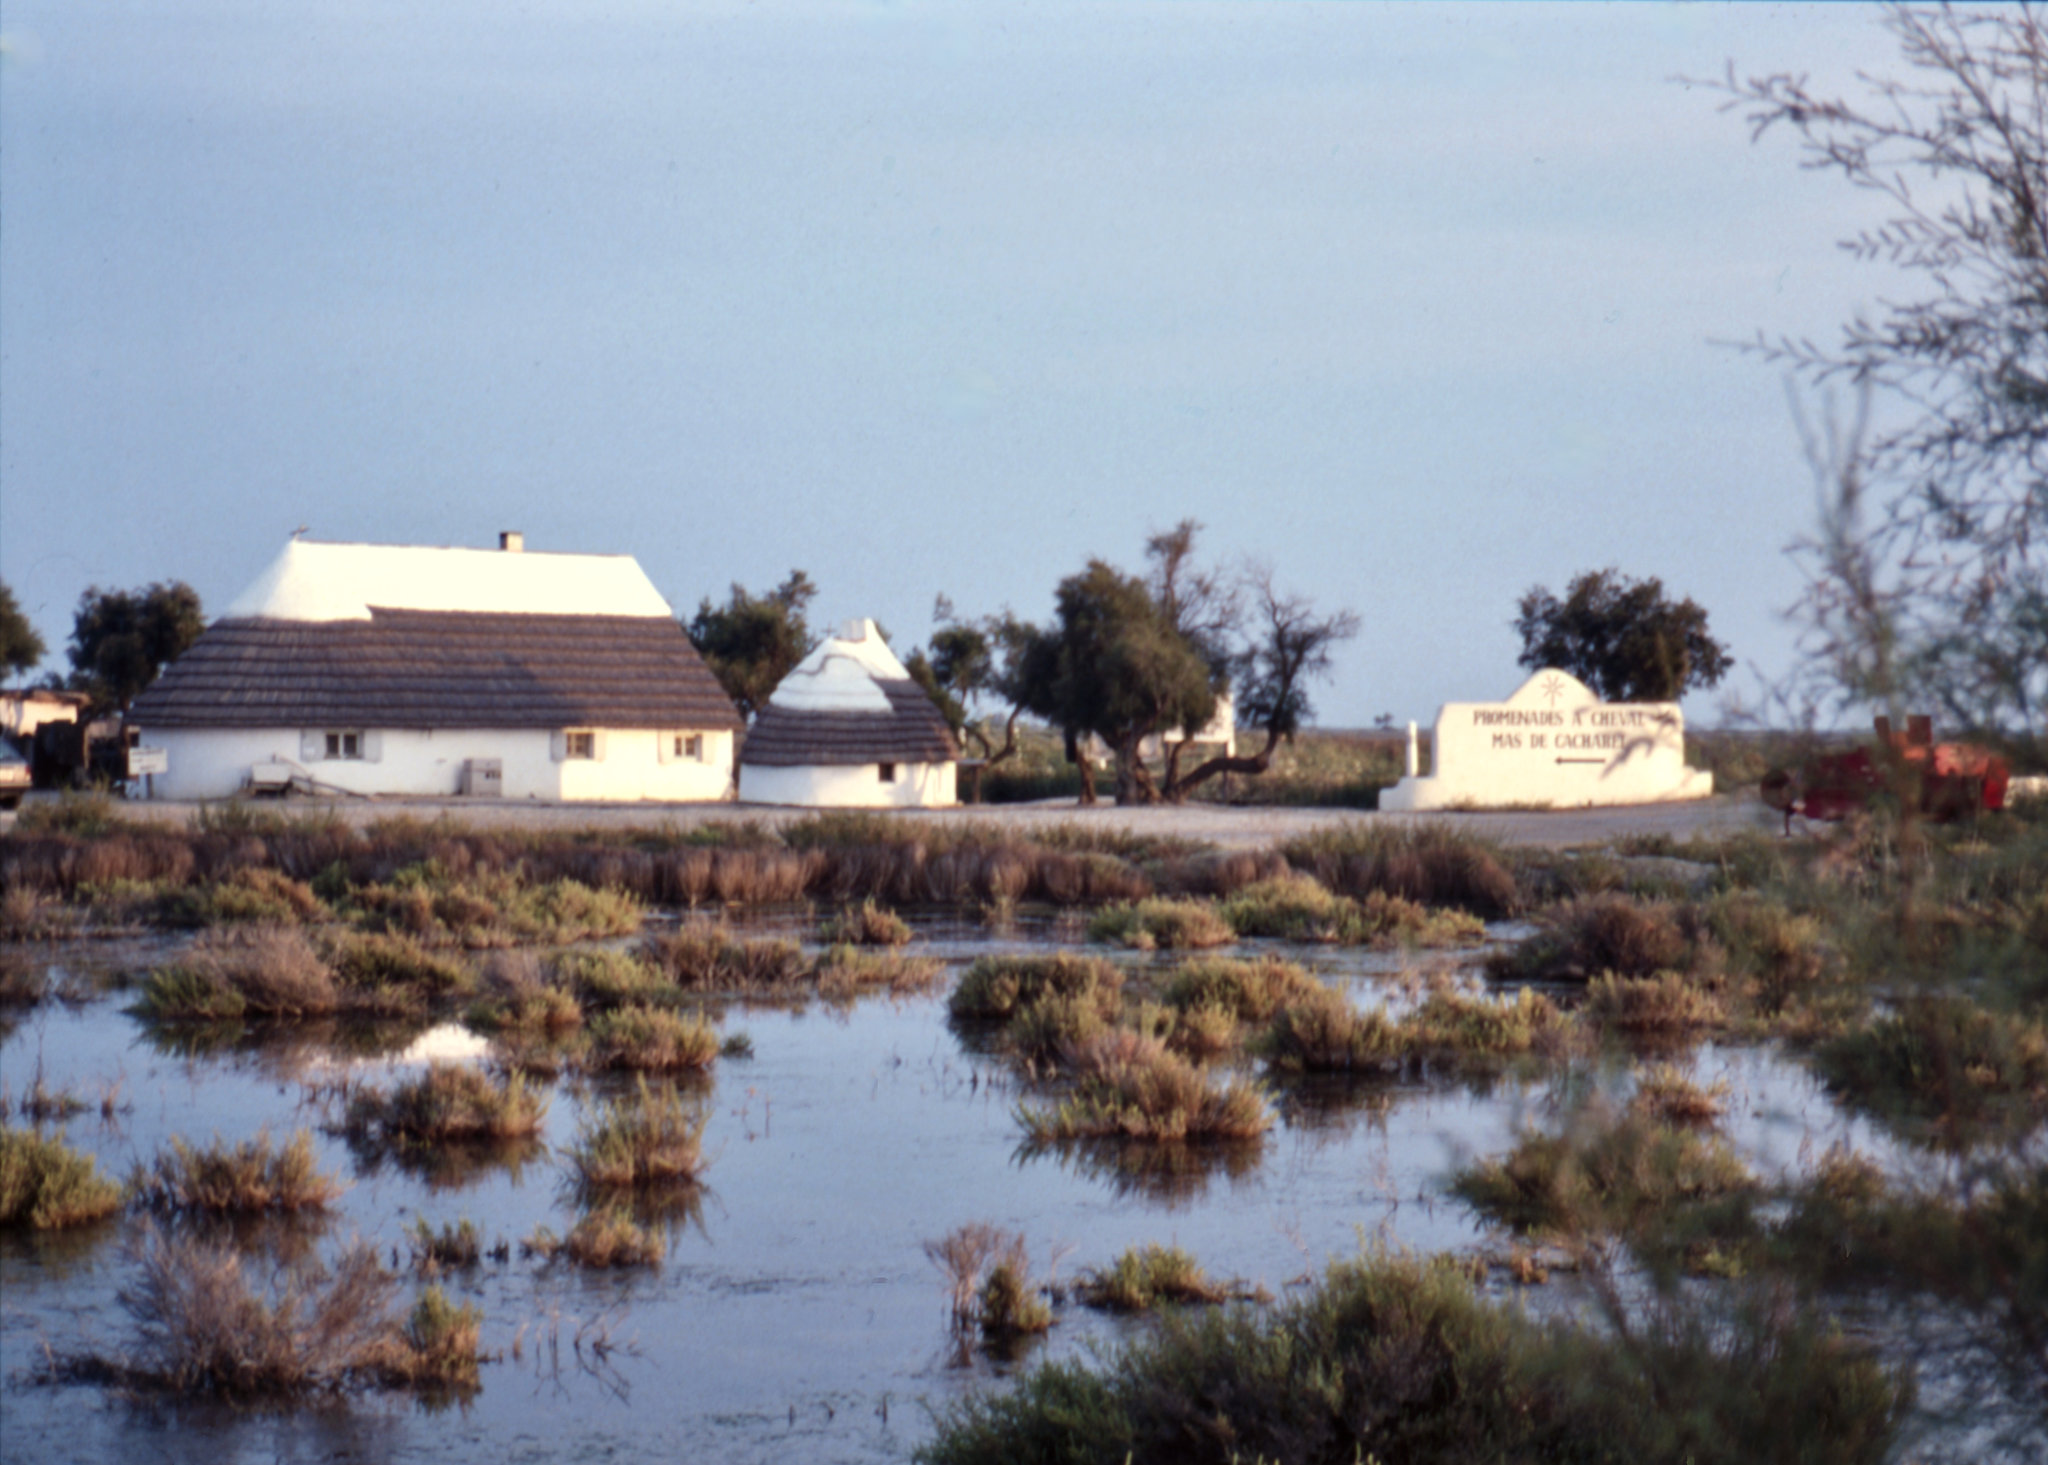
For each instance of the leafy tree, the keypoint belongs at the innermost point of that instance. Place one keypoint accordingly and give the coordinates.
(1621, 637)
(752, 642)
(121, 640)
(1121, 670)
(1128, 658)
(1950, 508)
(1288, 644)
(998, 658)
(20, 647)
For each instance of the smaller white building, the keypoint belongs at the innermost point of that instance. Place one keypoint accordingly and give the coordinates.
(1553, 744)
(848, 728)
(410, 670)
(21, 713)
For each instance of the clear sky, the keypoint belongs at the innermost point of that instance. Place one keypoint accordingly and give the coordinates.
(1418, 303)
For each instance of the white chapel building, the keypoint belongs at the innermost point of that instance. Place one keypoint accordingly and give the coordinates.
(407, 670)
(849, 728)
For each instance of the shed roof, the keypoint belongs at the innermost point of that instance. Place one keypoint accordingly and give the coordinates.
(909, 731)
(849, 702)
(432, 669)
(315, 581)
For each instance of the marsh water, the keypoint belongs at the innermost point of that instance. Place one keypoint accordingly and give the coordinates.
(795, 1316)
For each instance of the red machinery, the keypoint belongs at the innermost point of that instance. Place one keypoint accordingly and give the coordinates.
(1942, 780)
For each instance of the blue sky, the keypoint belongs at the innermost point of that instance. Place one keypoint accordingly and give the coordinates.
(1418, 303)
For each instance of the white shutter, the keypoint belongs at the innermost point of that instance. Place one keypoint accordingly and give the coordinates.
(312, 746)
(665, 744)
(372, 746)
(597, 745)
(558, 746)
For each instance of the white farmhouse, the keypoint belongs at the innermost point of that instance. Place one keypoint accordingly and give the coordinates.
(848, 728)
(401, 669)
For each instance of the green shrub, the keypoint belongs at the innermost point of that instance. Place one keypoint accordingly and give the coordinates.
(1289, 908)
(1323, 1033)
(1128, 1087)
(650, 1137)
(866, 924)
(1945, 1069)
(651, 1039)
(456, 1244)
(246, 1178)
(993, 988)
(1433, 864)
(1465, 1030)
(1581, 939)
(702, 957)
(46, 1185)
(1663, 1005)
(1296, 908)
(436, 1349)
(449, 1103)
(1395, 1359)
(845, 972)
(372, 963)
(1614, 1176)
(605, 978)
(609, 1237)
(260, 971)
(1146, 1276)
(1160, 924)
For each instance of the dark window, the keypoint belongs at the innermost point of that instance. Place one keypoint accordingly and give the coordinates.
(888, 773)
(344, 745)
(580, 745)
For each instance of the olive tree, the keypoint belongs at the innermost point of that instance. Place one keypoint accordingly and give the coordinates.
(1624, 638)
(753, 641)
(20, 647)
(1128, 658)
(121, 640)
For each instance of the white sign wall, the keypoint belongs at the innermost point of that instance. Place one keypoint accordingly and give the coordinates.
(1553, 744)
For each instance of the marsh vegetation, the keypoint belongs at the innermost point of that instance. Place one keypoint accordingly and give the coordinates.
(1740, 1105)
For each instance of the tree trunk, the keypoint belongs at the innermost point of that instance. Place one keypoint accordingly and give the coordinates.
(1178, 789)
(1134, 783)
(1078, 758)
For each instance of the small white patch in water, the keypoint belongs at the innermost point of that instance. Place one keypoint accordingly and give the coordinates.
(448, 1042)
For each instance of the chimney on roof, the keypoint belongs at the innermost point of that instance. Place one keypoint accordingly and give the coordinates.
(512, 541)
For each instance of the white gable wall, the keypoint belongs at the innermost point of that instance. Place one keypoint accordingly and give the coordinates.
(214, 763)
(856, 786)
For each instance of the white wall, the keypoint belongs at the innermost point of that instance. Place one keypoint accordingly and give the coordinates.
(214, 763)
(860, 786)
(1553, 744)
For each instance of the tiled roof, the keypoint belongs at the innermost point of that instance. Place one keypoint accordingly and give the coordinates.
(433, 669)
(912, 731)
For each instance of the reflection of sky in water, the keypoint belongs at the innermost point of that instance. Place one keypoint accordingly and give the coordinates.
(797, 1281)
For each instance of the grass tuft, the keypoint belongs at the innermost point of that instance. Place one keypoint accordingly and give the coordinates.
(866, 924)
(249, 1178)
(648, 1137)
(1158, 923)
(651, 1040)
(46, 1185)
(1147, 1276)
(449, 1103)
(1129, 1087)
